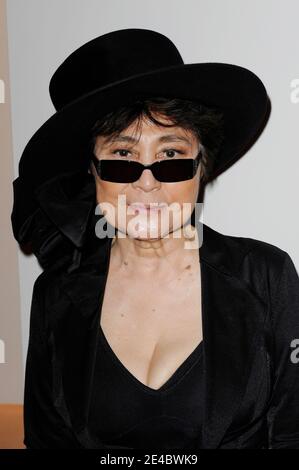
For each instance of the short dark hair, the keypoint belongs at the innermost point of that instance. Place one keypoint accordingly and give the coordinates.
(205, 122)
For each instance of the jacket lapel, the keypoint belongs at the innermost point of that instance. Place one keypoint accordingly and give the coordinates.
(232, 317)
(232, 322)
(75, 332)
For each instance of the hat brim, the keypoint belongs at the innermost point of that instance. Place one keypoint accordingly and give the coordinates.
(60, 144)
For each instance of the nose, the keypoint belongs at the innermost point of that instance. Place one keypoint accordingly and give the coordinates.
(147, 182)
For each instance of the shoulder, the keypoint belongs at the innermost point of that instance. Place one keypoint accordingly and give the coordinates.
(256, 261)
(242, 247)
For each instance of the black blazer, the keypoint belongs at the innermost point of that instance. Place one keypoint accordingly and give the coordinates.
(250, 314)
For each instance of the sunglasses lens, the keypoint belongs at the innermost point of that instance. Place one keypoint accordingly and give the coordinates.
(171, 171)
(119, 171)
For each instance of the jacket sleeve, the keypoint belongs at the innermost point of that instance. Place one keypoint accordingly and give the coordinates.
(43, 426)
(283, 413)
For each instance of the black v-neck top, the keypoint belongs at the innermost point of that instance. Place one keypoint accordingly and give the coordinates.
(125, 412)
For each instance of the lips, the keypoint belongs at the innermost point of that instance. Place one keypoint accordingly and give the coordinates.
(151, 206)
(148, 205)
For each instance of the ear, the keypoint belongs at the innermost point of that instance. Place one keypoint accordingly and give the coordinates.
(91, 169)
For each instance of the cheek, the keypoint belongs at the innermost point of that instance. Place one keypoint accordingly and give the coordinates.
(185, 191)
(109, 192)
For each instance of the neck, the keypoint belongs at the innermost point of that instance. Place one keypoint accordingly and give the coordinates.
(156, 257)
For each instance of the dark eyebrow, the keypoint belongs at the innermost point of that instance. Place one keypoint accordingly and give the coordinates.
(163, 138)
(174, 138)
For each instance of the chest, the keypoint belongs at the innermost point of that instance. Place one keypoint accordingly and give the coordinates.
(152, 327)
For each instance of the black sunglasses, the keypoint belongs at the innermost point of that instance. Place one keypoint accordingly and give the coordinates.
(165, 171)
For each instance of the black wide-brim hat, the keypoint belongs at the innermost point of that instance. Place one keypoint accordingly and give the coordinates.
(101, 75)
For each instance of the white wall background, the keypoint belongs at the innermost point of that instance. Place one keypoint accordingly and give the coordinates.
(258, 196)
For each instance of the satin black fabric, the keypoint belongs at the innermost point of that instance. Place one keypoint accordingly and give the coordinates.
(250, 312)
(53, 219)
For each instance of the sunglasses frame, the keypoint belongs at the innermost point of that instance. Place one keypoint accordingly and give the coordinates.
(196, 161)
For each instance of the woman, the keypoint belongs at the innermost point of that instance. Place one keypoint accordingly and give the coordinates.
(136, 341)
